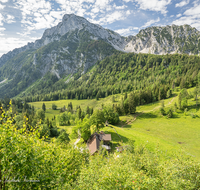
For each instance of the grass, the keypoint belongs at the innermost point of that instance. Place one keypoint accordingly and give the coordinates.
(178, 134)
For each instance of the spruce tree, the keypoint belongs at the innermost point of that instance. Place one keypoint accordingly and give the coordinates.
(44, 107)
(179, 101)
(125, 96)
(132, 103)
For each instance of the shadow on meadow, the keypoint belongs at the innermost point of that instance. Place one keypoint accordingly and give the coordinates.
(147, 115)
(123, 124)
(117, 138)
(193, 107)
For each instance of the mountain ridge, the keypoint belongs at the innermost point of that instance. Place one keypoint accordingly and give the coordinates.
(133, 43)
(74, 45)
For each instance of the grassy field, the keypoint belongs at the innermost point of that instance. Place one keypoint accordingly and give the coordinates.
(147, 126)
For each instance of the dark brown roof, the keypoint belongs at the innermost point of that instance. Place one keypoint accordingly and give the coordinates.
(105, 137)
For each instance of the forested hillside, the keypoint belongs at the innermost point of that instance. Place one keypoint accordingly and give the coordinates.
(68, 50)
(151, 77)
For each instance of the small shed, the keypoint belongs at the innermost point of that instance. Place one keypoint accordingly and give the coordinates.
(93, 142)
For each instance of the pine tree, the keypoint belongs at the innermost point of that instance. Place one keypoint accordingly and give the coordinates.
(179, 101)
(126, 106)
(125, 96)
(132, 103)
(44, 107)
(79, 113)
(88, 110)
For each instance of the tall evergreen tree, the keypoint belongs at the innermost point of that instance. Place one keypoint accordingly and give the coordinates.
(132, 103)
(44, 107)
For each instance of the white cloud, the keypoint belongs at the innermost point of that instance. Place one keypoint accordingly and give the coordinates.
(149, 23)
(178, 15)
(112, 17)
(1, 19)
(4, 1)
(35, 14)
(1, 30)
(9, 19)
(193, 11)
(193, 21)
(191, 17)
(119, 7)
(128, 1)
(2, 6)
(182, 3)
(154, 5)
(10, 44)
(127, 31)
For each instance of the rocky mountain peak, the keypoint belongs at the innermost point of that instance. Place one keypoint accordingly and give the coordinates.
(69, 49)
(70, 22)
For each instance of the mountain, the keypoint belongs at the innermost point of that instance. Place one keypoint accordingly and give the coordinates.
(65, 52)
(168, 39)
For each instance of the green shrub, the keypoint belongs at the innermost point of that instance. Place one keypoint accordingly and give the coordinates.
(170, 113)
(54, 106)
(162, 111)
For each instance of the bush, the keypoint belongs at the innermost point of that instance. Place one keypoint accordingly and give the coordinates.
(41, 114)
(193, 115)
(54, 132)
(170, 113)
(162, 111)
(63, 137)
(54, 106)
(44, 131)
(64, 119)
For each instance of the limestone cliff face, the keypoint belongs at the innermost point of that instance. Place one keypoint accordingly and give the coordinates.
(68, 42)
(168, 39)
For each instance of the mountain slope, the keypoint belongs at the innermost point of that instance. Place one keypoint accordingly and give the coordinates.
(168, 39)
(69, 49)
(62, 50)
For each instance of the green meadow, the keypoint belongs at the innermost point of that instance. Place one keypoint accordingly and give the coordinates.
(180, 134)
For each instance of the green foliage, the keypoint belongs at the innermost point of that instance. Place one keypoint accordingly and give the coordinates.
(44, 107)
(169, 93)
(169, 113)
(54, 106)
(162, 111)
(126, 106)
(74, 134)
(98, 119)
(84, 128)
(41, 114)
(26, 157)
(110, 116)
(138, 170)
(175, 107)
(63, 138)
(44, 131)
(149, 76)
(179, 101)
(64, 118)
(132, 103)
(184, 103)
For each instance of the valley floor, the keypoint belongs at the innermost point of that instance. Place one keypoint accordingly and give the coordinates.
(180, 134)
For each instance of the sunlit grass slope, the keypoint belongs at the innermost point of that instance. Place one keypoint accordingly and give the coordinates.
(147, 126)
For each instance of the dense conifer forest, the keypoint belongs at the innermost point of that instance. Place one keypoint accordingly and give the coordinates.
(150, 77)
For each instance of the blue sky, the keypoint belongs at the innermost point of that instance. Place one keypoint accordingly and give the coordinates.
(23, 21)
